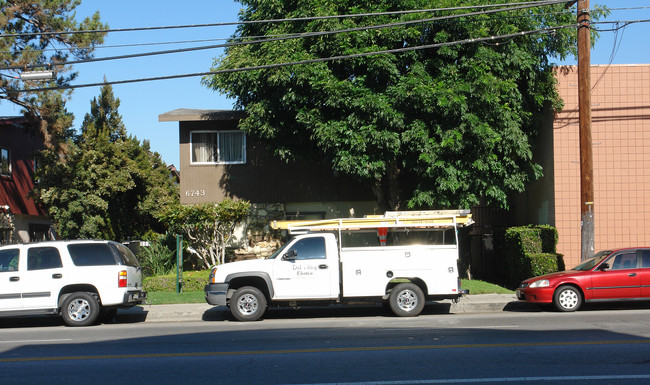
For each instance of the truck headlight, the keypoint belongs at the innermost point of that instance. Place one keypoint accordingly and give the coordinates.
(540, 283)
(211, 276)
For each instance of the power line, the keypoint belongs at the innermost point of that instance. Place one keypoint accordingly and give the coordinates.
(250, 37)
(310, 61)
(619, 24)
(294, 36)
(550, 2)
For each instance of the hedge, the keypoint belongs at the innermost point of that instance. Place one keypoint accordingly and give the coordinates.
(192, 281)
(531, 251)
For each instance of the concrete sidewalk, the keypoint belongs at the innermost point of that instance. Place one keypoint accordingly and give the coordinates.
(479, 303)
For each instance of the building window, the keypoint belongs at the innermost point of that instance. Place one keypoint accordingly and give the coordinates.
(5, 162)
(39, 232)
(210, 147)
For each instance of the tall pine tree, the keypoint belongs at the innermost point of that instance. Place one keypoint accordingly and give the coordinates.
(39, 35)
(109, 185)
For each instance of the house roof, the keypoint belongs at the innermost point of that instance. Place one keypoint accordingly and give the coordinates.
(12, 120)
(189, 114)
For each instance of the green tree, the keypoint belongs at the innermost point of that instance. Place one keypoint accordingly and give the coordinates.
(38, 33)
(443, 127)
(109, 185)
(208, 227)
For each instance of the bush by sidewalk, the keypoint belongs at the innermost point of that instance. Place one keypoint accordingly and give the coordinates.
(192, 281)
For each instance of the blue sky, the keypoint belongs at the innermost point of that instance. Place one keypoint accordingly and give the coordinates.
(141, 103)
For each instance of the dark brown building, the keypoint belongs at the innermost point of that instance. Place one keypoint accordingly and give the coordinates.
(219, 161)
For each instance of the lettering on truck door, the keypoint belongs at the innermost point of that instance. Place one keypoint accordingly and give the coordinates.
(303, 270)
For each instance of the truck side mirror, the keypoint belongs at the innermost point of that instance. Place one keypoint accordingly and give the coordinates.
(290, 255)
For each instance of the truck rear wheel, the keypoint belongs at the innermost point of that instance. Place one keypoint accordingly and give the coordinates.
(248, 304)
(406, 300)
(80, 309)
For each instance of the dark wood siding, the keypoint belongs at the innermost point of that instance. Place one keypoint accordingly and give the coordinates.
(263, 179)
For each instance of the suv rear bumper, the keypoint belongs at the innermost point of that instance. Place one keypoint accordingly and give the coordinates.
(215, 293)
(132, 298)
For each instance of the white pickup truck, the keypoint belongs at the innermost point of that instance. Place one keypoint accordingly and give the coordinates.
(399, 258)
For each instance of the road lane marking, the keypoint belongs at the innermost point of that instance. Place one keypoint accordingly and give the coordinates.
(35, 341)
(498, 380)
(323, 350)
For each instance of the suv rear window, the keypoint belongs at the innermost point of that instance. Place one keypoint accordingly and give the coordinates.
(91, 254)
(125, 254)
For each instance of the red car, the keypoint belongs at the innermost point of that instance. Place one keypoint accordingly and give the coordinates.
(612, 275)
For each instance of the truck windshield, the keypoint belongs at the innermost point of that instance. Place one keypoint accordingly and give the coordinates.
(278, 251)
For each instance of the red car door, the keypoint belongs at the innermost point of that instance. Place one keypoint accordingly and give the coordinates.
(644, 272)
(620, 280)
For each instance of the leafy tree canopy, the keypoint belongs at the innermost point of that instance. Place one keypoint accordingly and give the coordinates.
(27, 39)
(109, 185)
(208, 227)
(443, 127)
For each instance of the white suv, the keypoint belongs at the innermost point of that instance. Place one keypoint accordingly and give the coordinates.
(76, 279)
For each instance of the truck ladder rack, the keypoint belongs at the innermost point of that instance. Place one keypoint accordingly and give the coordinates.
(391, 219)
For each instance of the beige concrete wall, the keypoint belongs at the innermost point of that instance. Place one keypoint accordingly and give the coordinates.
(621, 156)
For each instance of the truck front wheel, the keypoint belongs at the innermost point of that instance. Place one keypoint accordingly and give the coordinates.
(406, 300)
(248, 304)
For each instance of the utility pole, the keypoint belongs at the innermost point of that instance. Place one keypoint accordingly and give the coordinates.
(584, 109)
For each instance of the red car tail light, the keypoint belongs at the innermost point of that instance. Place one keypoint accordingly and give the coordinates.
(121, 279)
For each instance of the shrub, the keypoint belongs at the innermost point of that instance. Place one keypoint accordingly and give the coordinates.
(192, 281)
(530, 251)
(542, 263)
(159, 258)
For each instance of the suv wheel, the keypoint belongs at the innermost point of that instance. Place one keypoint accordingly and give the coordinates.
(80, 309)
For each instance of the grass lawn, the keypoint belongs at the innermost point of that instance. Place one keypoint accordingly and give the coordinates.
(165, 297)
(482, 287)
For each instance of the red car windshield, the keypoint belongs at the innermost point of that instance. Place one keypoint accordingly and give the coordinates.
(593, 262)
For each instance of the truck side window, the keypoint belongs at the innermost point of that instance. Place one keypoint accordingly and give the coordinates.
(310, 248)
(9, 260)
(40, 258)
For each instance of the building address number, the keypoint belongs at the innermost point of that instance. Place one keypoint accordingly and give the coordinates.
(194, 193)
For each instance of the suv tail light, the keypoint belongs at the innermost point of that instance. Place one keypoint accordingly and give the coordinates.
(121, 279)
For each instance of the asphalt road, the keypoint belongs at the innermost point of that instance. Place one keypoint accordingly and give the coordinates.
(358, 346)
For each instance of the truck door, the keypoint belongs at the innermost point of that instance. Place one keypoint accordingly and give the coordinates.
(43, 279)
(10, 286)
(303, 271)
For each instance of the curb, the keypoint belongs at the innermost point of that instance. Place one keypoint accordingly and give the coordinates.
(477, 303)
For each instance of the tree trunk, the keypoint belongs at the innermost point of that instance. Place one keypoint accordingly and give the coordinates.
(387, 190)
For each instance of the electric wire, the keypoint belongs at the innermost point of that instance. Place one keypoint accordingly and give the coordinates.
(104, 46)
(619, 24)
(302, 62)
(288, 37)
(312, 18)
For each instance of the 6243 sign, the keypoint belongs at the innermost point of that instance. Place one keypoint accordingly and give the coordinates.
(194, 193)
